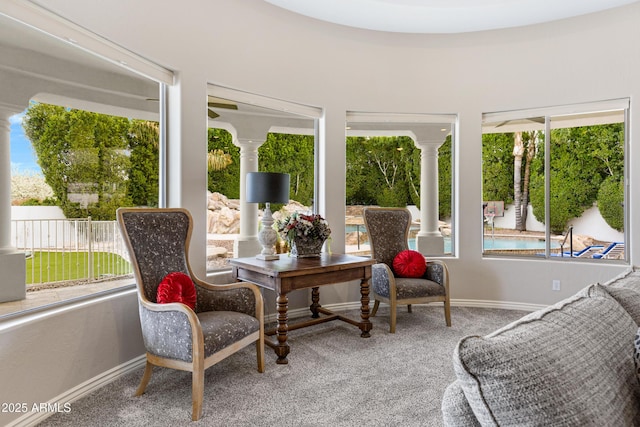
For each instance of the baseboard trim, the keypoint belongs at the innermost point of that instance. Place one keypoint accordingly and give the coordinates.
(81, 390)
(504, 305)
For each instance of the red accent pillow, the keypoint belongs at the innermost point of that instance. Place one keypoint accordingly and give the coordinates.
(409, 263)
(177, 287)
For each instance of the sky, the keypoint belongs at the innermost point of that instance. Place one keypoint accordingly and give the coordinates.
(23, 156)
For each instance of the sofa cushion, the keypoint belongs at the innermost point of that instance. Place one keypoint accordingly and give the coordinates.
(636, 353)
(629, 299)
(456, 411)
(568, 364)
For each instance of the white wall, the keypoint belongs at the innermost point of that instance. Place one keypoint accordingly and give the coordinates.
(253, 46)
(36, 212)
(590, 223)
(45, 355)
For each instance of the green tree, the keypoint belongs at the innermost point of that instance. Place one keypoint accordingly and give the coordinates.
(218, 160)
(361, 177)
(531, 140)
(226, 180)
(445, 178)
(143, 140)
(607, 142)
(83, 157)
(388, 156)
(497, 167)
(524, 149)
(292, 154)
(581, 159)
(386, 171)
(610, 202)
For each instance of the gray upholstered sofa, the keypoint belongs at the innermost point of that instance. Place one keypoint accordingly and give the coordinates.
(570, 364)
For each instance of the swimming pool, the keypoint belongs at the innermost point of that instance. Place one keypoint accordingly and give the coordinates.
(500, 243)
(497, 243)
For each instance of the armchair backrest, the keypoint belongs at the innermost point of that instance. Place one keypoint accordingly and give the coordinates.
(388, 231)
(158, 244)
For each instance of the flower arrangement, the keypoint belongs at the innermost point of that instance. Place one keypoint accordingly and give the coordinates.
(303, 227)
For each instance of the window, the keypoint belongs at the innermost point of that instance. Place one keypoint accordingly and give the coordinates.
(87, 143)
(402, 160)
(247, 133)
(554, 182)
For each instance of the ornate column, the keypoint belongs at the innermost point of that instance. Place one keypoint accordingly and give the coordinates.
(12, 262)
(246, 244)
(429, 240)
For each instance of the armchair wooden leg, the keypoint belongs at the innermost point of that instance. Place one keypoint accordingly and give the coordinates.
(447, 312)
(409, 308)
(392, 328)
(148, 370)
(197, 393)
(375, 308)
(260, 354)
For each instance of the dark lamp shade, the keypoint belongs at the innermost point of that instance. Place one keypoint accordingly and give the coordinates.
(271, 187)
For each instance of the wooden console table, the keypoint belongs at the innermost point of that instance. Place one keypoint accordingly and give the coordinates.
(289, 274)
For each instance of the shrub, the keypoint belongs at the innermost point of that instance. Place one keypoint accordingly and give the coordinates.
(610, 202)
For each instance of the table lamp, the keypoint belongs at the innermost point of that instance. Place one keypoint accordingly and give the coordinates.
(267, 188)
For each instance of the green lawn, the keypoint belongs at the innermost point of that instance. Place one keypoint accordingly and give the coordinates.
(43, 267)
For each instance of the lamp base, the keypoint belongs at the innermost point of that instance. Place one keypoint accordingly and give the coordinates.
(267, 236)
(268, 257)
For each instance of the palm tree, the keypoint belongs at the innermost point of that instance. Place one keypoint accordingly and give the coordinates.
(218, 160)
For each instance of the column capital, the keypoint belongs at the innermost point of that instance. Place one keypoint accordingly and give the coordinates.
(5, 124)
(6, 112)
(249, 142)
(428, 145)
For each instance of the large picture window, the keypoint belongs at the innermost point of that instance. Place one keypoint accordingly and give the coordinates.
(85, 139)
(554, 182)
(250, 133)
(402, 160)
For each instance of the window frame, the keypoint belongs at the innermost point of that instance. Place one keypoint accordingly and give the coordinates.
(278, 107)
(94, 50)
(408, 124)
(603, 109)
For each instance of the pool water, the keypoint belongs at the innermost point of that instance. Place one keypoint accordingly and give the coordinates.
(489, 243)
(499, 243)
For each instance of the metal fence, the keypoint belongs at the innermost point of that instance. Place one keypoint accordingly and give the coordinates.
(59, 250)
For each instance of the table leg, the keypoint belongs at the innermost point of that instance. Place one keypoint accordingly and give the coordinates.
(315, 299)
(365, 325)
(282, 349)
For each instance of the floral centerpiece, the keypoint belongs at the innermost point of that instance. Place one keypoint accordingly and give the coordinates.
(305, 234)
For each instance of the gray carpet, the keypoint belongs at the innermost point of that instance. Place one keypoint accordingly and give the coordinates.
(334, 378)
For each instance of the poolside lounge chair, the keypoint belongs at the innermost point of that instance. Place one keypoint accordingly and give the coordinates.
(588, 252)
(614, 251)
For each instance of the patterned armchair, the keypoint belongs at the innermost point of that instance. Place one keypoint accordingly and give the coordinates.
(226, 318)
(388, 230)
